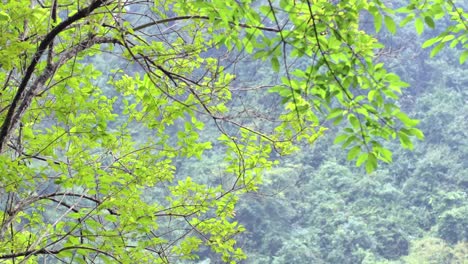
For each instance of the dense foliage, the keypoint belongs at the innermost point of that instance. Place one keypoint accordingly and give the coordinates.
(130, 130)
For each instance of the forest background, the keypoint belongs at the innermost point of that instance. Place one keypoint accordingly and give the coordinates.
(208, 131)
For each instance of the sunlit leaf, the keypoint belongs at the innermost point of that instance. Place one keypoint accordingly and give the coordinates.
(390, 24)
(406, 120)
(437, 49)
(430, 42)
(354, 152)
(419, 24)
(362, 158)
(371, 163)
(463, 57)
(4, 16)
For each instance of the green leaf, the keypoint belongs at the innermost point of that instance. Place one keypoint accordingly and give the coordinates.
(390, 24)
(386, 154)
(447, 38)
(275, 64)
(4, 16)
(336, 112)
(377, 17)
(429, 21)
(454, 43)
(430, 42)
(348, 141)
(419, 24)
(417, 133)
(111, 218)
(354, 152)
(377, 22)
(406, 120)
(404, 140)
(362, 158)
(337, 120)
(340, 138)
(407, 20)
(371, 163)
(437, 49)
(354, 121)
(371, 94)
(463, 57)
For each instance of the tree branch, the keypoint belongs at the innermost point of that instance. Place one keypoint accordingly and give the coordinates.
(11, 118)
(171, 19)
(89, 198)
(48, 72)
(44, 251)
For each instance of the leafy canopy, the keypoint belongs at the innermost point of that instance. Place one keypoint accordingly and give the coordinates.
(102, 99)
